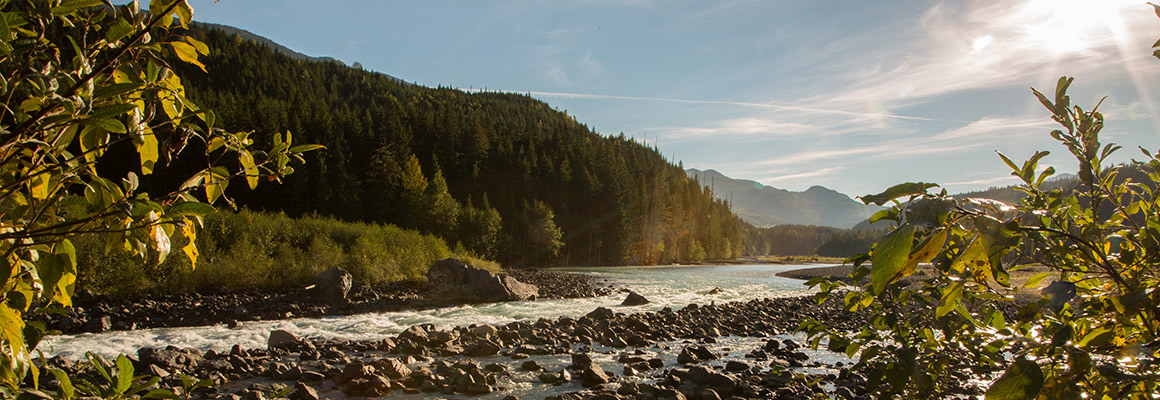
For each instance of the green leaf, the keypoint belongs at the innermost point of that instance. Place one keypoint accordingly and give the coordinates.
(925, 252)
(1022, 380)
(124, 374)
(302, 148)
(189, 208)
(896, 191)
(1097, 337)
(98, 364)
(889, 255)
(1035, 280)
(950, 299)
(115, 89)
(118, 31)
(109, 125)
(66, 387)
(162, 394)
(215, 183)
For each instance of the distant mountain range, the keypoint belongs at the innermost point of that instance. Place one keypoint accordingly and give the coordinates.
(764, 205)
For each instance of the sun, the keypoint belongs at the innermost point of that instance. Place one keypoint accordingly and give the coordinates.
(1068, 26)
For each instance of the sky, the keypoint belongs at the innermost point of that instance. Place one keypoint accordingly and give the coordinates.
(852, 95)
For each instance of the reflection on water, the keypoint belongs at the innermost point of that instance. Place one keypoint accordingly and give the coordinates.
(664, 286)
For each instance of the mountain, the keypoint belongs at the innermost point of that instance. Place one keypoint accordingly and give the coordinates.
(506, 176)
(764, 205)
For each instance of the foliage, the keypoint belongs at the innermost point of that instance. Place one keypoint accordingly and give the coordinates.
(1092, 334)
(614, 200)
(84, 82)
(254, 250)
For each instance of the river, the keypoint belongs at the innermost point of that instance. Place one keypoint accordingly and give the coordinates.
(664, 286)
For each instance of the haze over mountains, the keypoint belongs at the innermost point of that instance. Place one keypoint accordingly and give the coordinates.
(765, 205)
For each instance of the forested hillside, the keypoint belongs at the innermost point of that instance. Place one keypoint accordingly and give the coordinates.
(506, 176)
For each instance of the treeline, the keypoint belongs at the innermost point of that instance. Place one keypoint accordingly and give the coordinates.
(806, 240)
(503, 176)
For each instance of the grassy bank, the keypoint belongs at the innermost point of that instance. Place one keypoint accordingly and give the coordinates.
(251, 250)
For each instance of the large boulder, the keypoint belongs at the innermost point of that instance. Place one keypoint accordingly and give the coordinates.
(331, 286)
(455, 279)
(634, 299)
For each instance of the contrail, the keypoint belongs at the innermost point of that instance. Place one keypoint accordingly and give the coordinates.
(720, 102)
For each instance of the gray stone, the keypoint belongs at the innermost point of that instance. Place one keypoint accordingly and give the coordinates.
(280, 338)
(392, 368)
(331, 286)
(634, 299)
(453, 277)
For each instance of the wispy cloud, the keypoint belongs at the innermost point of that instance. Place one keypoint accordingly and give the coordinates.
(813, 175)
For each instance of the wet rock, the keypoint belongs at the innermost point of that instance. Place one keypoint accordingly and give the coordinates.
(669, 394)
(284, 372)
(303, 392)
(97, 325)
(280, 338)
(332, 286)
(482, 348)
(581, 361)
(706, 377)
(554, 378)
(171, 358)
(736, 366)
(451, 276)
(355, 370)
(414, 333)
(695, 354)
(392, 368)
(634, 299)
(531, 365)
(592, 375)
(601, 313)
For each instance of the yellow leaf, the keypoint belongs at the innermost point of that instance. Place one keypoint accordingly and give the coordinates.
(147, 151)
(38, 186)
(187, 53)
(197, 45)
(190, 249)
(251, 171)
(157, 238)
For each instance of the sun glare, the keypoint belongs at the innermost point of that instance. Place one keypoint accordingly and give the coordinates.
(1067, 26)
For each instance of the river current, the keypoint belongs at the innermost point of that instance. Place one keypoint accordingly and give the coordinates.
(664, 286)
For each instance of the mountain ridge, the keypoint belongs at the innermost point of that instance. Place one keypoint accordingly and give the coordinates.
(764, 205)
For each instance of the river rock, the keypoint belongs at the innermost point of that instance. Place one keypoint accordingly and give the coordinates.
(303, 392)
(280, 338)
(171, 358)
(592, 375)
(454, 277)
(634, 299)
(331, 286)
(695, 354)
(392, 368)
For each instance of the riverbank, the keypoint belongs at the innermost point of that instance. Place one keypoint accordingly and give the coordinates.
(738, 350)
(98, 313)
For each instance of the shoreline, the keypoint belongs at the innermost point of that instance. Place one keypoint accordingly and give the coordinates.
(616, 355)
(96, 313)
(99, 313)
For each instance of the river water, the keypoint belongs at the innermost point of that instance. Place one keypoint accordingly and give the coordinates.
(664, 286)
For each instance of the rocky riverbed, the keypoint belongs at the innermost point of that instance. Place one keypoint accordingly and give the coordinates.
(668, 354)
(99, 313)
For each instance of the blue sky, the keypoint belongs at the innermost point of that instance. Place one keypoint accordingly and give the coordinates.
(854, 96)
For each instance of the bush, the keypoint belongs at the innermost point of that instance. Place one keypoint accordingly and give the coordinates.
(253, 250)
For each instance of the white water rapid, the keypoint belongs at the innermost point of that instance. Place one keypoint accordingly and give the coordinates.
(666, 286)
